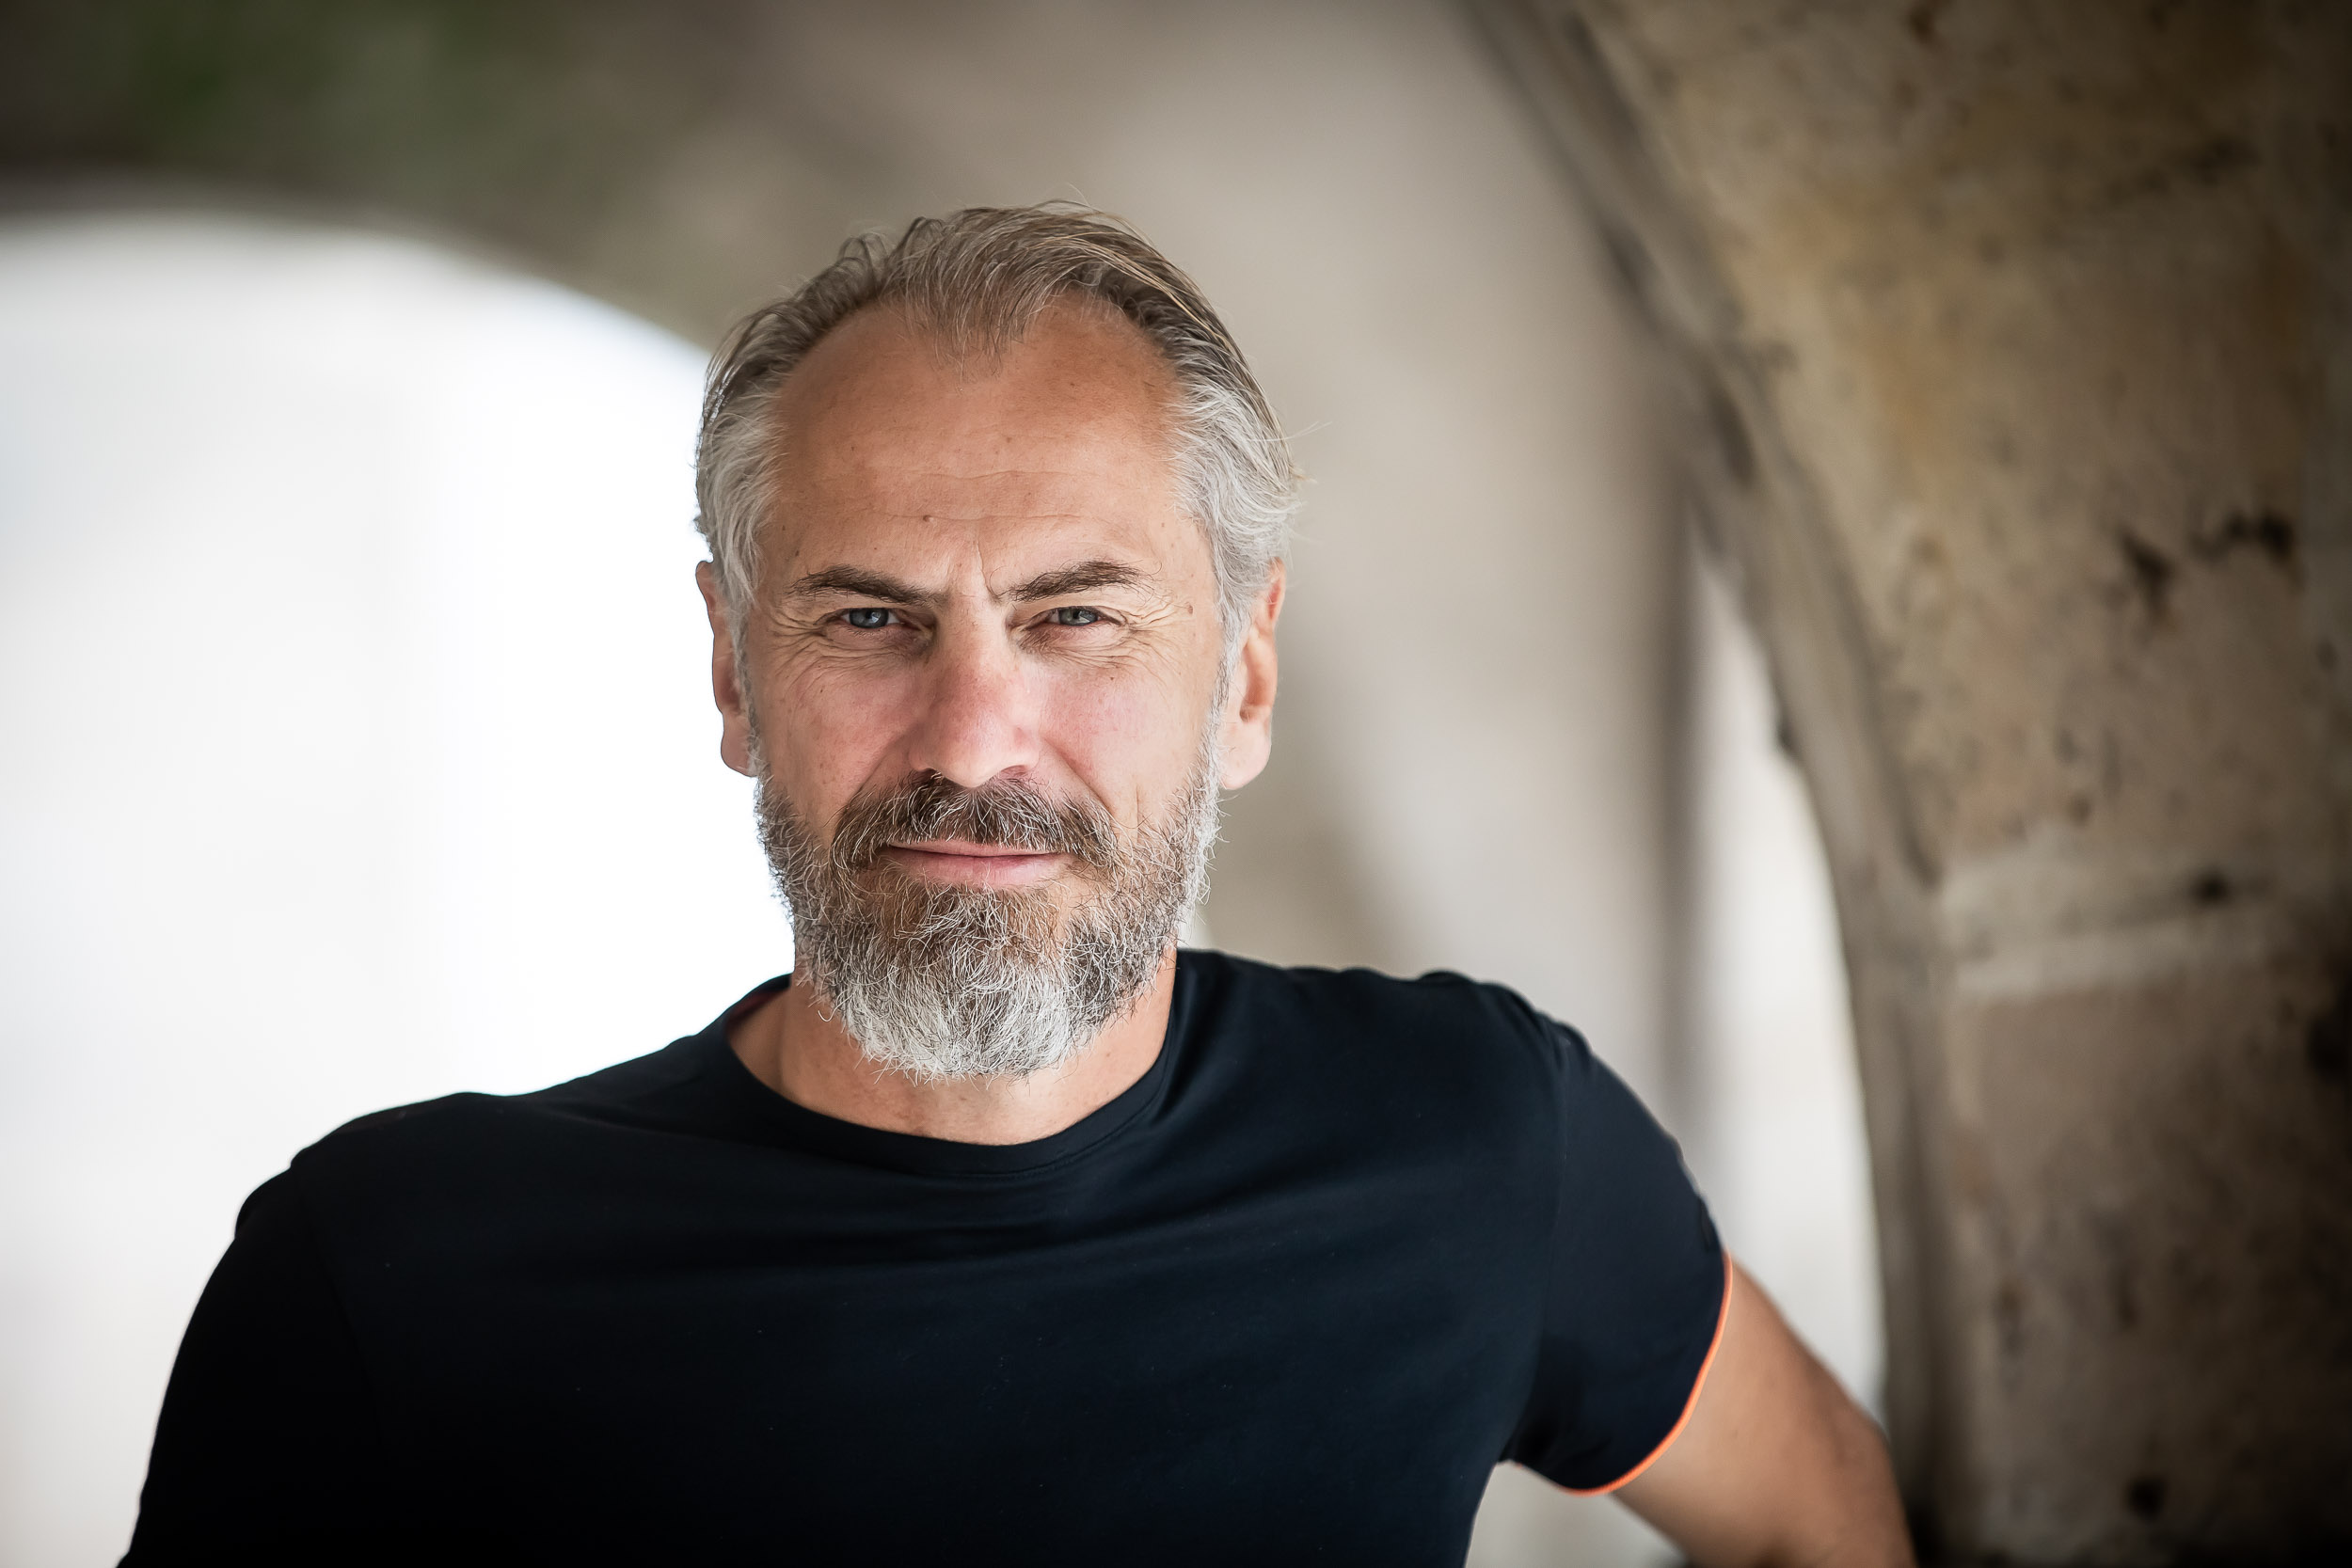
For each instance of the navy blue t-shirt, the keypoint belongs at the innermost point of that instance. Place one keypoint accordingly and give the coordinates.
(1350, 1241)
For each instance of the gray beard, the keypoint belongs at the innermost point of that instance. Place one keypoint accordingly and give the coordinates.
(937, 980)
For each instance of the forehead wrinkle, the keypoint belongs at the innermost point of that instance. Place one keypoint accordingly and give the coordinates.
(974, 475)
(1031, 480)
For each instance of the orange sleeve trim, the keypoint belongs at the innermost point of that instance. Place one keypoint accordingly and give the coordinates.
(1723, 1316)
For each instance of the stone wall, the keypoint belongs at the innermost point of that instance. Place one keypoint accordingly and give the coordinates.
(2013, 344)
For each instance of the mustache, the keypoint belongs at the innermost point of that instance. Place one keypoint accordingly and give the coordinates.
(1005, 813)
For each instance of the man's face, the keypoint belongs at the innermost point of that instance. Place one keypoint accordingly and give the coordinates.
(977, 578)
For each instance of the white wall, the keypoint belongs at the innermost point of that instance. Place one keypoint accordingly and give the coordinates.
(358, 749)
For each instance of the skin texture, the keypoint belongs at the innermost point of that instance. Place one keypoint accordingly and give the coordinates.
(982, 570)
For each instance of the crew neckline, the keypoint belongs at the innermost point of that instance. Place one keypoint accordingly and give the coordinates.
(912, 1152)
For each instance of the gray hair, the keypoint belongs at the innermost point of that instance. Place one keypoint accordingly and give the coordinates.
(977, 279)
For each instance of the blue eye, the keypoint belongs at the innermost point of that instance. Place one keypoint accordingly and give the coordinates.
(1076, 615)
(868, 619)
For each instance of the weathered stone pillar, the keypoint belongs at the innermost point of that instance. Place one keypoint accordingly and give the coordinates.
(2018, 341)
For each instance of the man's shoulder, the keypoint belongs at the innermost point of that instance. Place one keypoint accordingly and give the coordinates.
(1353, 1068)
(643, 1093)
(1368, 995)
(1442, 1021)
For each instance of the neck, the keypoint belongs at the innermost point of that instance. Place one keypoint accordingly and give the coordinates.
(793, 1045)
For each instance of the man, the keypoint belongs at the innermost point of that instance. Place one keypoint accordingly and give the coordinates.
(1000, 1231)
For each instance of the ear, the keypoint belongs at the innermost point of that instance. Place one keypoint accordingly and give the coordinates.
(1247, 736)
(727, 688)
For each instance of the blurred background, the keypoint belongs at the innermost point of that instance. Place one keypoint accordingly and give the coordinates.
(354, 691)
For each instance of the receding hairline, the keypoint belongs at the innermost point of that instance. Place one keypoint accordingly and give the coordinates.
(981, 360)
(1158, 385)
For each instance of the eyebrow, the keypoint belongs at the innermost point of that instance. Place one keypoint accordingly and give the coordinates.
(1084, 578)
(858, 582)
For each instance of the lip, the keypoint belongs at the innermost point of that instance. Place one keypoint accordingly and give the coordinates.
(976, 865)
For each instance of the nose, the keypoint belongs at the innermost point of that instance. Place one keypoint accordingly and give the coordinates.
(980, 717)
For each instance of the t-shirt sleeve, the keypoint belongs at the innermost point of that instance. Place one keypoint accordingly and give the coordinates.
(268, 1434)
(1636, 1290)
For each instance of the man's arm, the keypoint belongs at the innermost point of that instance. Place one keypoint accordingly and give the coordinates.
(1776, 1467)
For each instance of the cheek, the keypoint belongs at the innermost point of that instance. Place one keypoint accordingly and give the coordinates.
(1131, 742)
(829, 729)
